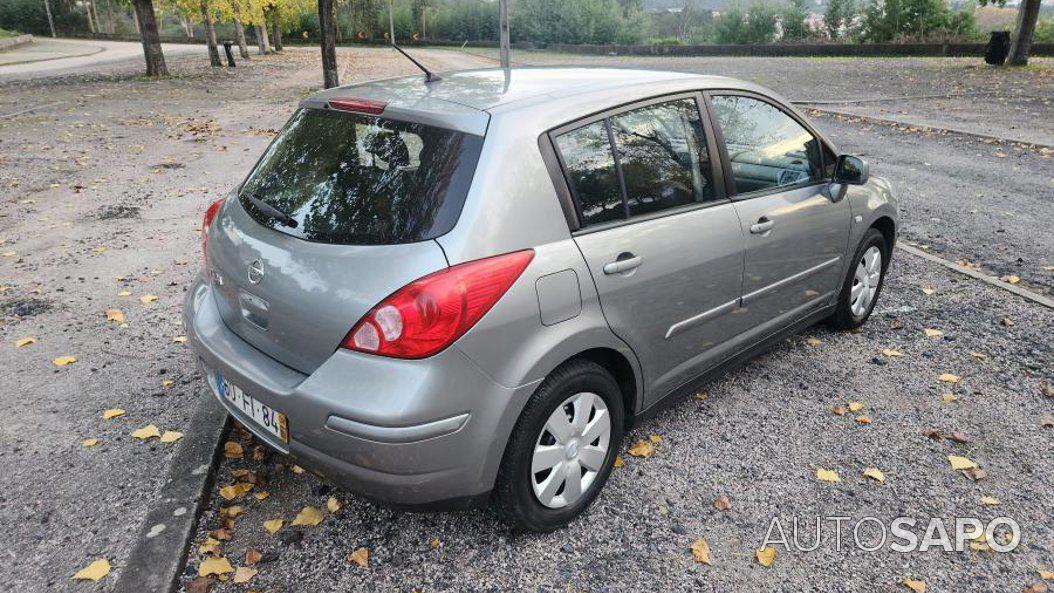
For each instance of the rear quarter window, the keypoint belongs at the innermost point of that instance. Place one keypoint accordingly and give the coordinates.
(363, 180)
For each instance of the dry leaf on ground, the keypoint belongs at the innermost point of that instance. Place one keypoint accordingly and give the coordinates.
(915, 585)
(244, 574)
(25, 342)
(115, 315)
(361, 557)
(827, 475)
(722, 503)
(94, 571)
(147, 298)
(147, 432)
(308, 516)
(875, 474)
(933, 333)
(171, 436)
(766, 556)
(61, 361)
(949, 378)
(233, 450)
(217, 565)
(961, 462)
(642, 448)
(113, 413)
(701, 551)
(273, 525)
(89, 443)
(333, 505)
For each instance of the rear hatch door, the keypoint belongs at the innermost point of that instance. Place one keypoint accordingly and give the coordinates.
(364, 197)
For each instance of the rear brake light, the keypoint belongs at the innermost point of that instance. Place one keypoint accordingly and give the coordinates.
(210, 213)
(430, 313)
(360, 105)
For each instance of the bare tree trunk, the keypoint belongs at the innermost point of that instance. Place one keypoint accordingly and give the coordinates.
(91, 22)
(328, 30)
(210, 35)
(239, 35)
(51, 21)
(110, 25)
(276, 31)
(155, 59)
(135, 20)
(1027, 15)
(261, 40)
(95, 14)
(503, 30)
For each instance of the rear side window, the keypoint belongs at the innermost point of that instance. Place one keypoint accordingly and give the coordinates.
(363, 180)
(591, 169)
(658, 160)
(767, 148)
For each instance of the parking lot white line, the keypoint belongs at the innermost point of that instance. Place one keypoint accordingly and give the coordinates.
(1021, 292)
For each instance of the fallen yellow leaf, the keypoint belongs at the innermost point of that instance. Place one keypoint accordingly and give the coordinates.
(863, 419)
(62, 361)
(232, 511)
(979, 355)
(179, 339)
(361, 557)
(655, 439)
(827, 475)
(333, 505)
(147, 432)
(642, 448)
(261, 495)
(1011, 278)
(273, 525)
(233, 450)
(171, 436)
(124, 293)
(296, 469)
(961, 462)
(308, 516)
(701, 551)
(233, 491)
(244, 574)
(147, 298)
(933, 333)
(949, 397)
(855, 406)
(112, 413)
(217, 565)
(949, 378)
(25, 342)
(875, 474)
(915, 585)
(813, 342)
(166, 383)
(890, 352)
(990, 501)
(1046, 575)
(619, 461)
(115, 315)
(766, 556)
(94, 571)
(928, 291)
(86, 443)
(209, 546)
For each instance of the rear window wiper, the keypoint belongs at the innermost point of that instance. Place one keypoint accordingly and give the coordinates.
(273, 212)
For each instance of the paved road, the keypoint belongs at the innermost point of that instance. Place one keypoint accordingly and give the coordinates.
(47, 57)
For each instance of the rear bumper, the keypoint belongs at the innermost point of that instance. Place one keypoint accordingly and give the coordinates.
(406, 432)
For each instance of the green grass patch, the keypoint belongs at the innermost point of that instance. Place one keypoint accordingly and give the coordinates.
(6, 33)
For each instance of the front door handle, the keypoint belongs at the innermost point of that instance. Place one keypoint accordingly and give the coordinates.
(625, 262)
(763, 225)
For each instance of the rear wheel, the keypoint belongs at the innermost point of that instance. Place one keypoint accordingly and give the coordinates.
(863, 283)
(562, 448)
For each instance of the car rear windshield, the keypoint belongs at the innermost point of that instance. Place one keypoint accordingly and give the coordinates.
(362, 180)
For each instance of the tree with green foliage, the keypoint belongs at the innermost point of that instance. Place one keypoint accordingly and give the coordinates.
(793, 19)
(839, 17)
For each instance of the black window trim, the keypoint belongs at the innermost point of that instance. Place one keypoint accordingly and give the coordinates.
(557, 166)
(726, 162)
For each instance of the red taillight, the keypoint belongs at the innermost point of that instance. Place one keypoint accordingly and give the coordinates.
(360, 105)
(429, 314)
(210, 213)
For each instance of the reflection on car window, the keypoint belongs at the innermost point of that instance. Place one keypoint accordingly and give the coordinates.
(766, 146)
(591, 169)
(352, 178)
(662, 153)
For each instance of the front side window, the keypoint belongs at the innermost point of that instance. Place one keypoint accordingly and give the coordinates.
(591, 172)
(663, 156)
(767, 148)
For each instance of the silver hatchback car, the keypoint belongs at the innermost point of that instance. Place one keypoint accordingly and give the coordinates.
(439, 293)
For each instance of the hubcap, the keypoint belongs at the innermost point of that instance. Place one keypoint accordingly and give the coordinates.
(865, 281)
(571, 449)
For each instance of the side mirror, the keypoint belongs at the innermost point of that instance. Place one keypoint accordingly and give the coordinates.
(851, 170)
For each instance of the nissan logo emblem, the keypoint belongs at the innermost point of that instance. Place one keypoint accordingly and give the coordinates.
(256, 271)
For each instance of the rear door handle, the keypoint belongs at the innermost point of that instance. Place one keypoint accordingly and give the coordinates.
(763, 225)
(625, 262)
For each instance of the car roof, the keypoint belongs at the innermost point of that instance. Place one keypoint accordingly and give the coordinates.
(452, 100)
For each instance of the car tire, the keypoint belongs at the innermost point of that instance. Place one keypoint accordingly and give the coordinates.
(519, 490)
(850, 312)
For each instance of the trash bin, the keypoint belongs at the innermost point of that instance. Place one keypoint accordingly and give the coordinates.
(998, 48)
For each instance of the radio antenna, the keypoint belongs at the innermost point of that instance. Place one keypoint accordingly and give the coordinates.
(429, 76)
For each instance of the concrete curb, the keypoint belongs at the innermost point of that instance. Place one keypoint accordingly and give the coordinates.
(1021, 292)
(12, 42)
(159, 556)
(895, 122)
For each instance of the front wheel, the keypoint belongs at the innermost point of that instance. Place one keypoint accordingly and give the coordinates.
(863, 283)
(562, 448)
